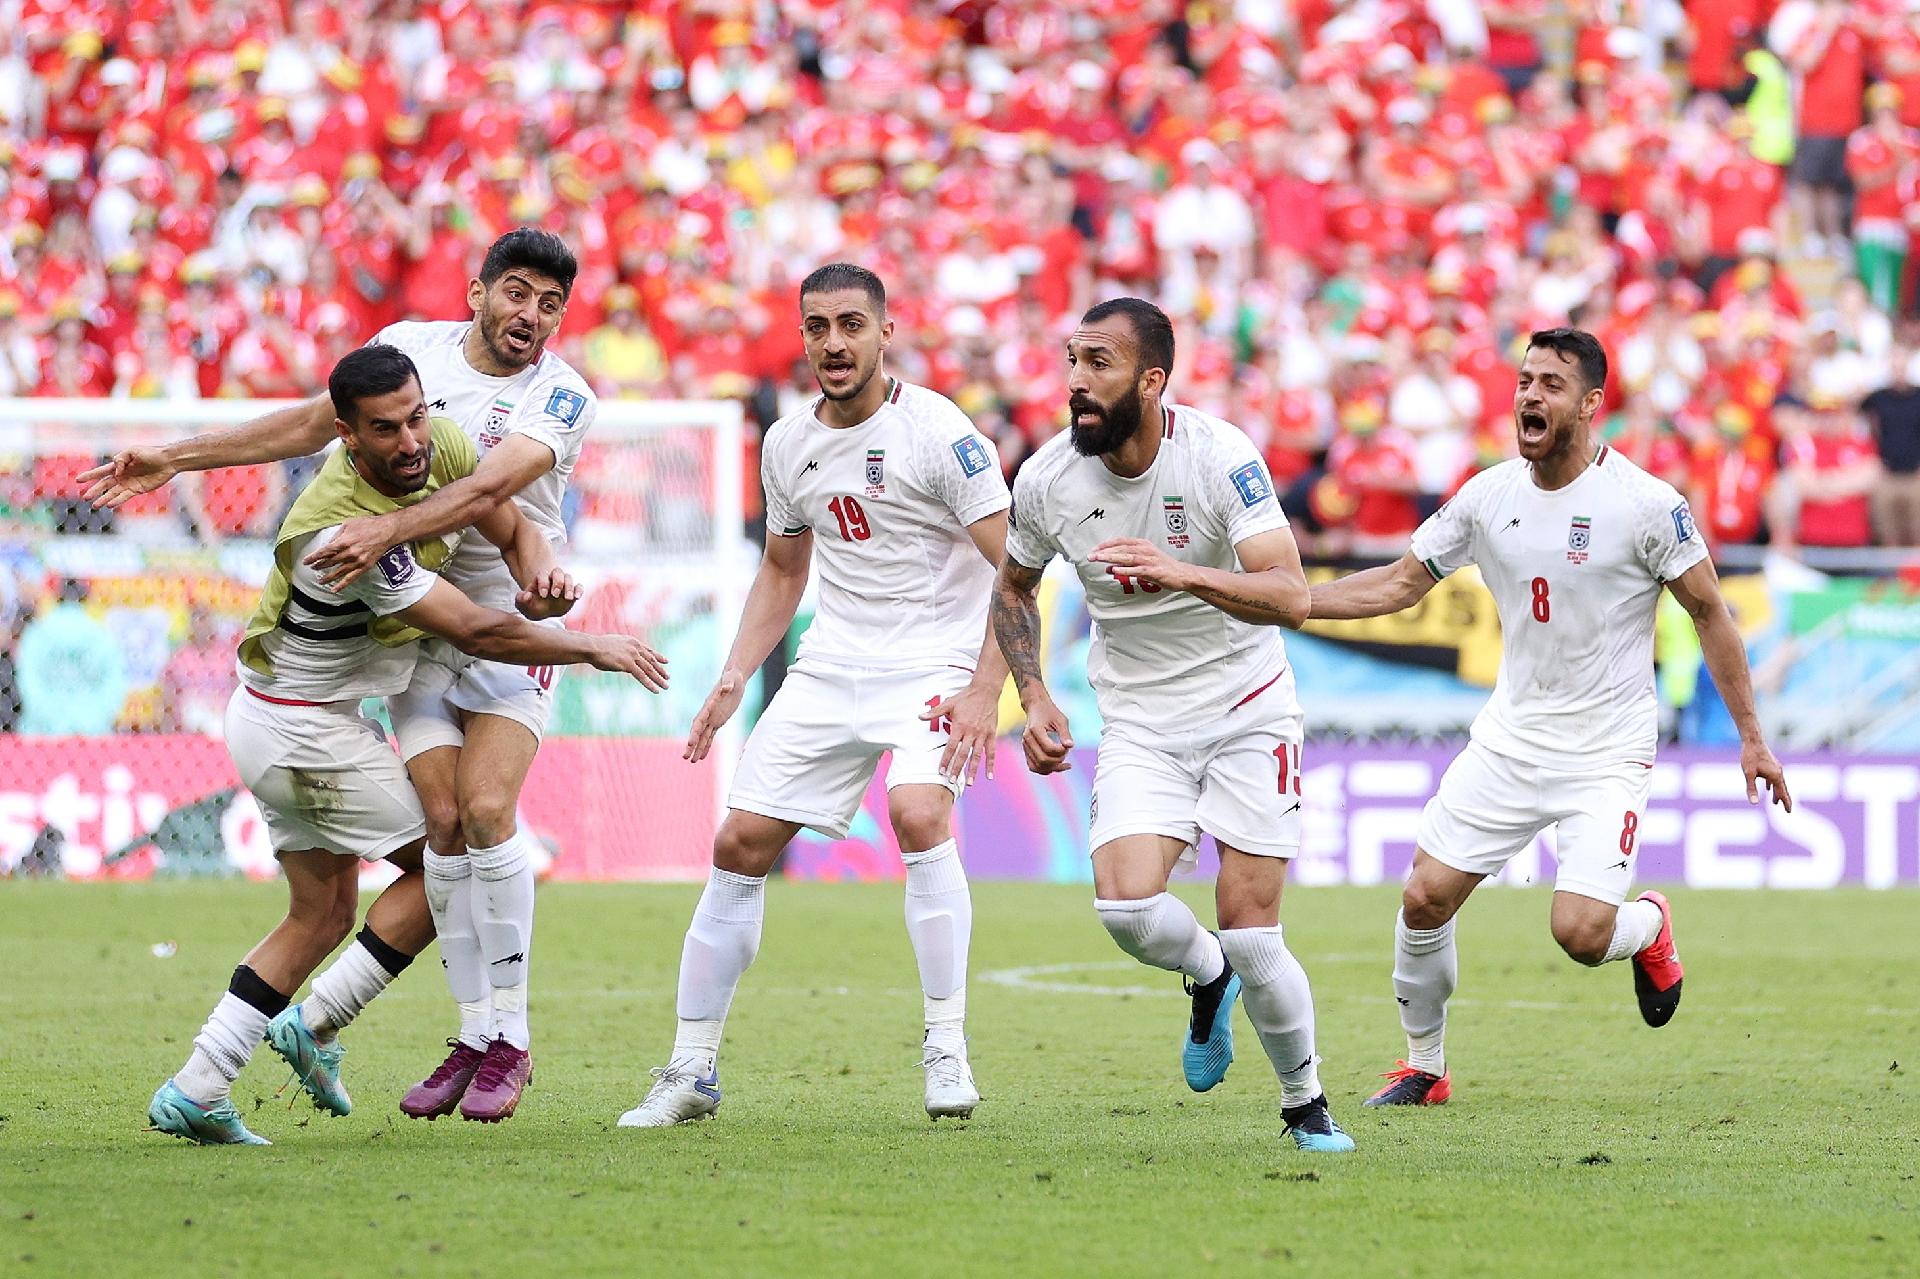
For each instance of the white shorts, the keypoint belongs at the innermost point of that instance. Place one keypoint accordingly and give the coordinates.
(446, 682)
(1237, 780)
(1490, 807)
(324, 777)
(812, 754)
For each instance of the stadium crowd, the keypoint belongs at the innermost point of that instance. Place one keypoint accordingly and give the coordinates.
(1355, 210)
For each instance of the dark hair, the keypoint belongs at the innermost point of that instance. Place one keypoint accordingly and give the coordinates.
(374, 369)
(1582, 346)
(1150, 325)
(532, 249)
(835, 276)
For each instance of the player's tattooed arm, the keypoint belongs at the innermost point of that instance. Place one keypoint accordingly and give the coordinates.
(1698, 590)
(1373, 592)
(1016, 624)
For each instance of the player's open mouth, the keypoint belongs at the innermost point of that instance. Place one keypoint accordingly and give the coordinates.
(1533, 427)
(836, 370)
(520, 339)
(411, 468)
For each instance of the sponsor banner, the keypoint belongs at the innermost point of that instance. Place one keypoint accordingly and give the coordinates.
(1856, 820)
(631, 808)
(138, 805)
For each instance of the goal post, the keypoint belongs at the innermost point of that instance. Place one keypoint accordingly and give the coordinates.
(124, 626)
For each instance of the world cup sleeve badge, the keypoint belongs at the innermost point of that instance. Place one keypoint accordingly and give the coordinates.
(1579, 536)
(1176, 511)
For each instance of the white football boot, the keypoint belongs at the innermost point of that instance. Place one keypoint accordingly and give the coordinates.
(680, 1094)
(950, 1089)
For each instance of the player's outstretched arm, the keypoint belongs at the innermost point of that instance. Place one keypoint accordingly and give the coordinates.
(1269, 590)
(1698, 590)
(1372, 592)
(546, 589)
(1016, 624)
(502, 637)
(771, 603)
(294, 431)
(974, 712)
(510, 466)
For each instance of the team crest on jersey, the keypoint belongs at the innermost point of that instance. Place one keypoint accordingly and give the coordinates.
(876, 472)
(1578, 537)
(494, 429)
(1176, 511)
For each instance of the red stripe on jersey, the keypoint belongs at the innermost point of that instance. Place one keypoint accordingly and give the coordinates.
(1263, 688)
(281, 701)
(1168, 433)
(1601, 456)
(895, 397)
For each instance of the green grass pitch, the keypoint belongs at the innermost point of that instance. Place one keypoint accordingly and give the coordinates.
(1771, 1130)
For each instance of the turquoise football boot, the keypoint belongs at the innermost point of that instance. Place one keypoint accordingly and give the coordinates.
(315, 1065)
(177, 1115)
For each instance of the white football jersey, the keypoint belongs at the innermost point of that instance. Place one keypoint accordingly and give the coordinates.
(889, 502)
(1164, 660)
(320, 651)
(1575, 574)
(546, 401)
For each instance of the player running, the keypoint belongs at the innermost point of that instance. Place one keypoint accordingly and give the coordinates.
(1575, 542)
(900, 500)
(332, 791)
(468, 729)
(1189, 568)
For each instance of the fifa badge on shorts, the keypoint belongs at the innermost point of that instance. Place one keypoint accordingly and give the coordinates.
(1577, 538)
(876, 472)
(1176, 521)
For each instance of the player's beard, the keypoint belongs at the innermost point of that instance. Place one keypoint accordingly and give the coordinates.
(494, 331)
(861, 377)
(1118, 421)
(1560, 435)
(404, 482)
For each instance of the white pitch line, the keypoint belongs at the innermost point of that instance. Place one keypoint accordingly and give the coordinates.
(1033, 978)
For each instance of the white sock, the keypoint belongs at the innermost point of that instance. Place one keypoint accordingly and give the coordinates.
(1634, 929)
(1163, 931)
(940, 924)
(1279, 1003)
(1426, 968)
(350, 983)
(226, 1042)
(450, 898)
(503, 921)
(721, 942)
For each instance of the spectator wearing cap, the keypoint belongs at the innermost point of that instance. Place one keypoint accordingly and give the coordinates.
(1377, 467)
(19, 357)
(1876, 157)
(1824, 44)
(1732, 472)
(1200, 210)
(115, 314)
(621, 357)
(73, 364)
(1894, 413)
(1663, 358)
(1438, 407)
(1830, 470)
(150, 362)
(297, 62)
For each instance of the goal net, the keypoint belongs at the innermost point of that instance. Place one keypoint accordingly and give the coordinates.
(122, 627)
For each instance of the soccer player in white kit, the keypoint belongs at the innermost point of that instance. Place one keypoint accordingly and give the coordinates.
(1171, 521)
(332, 791)
(468, 729)
(1575, 542)
(891, 491)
